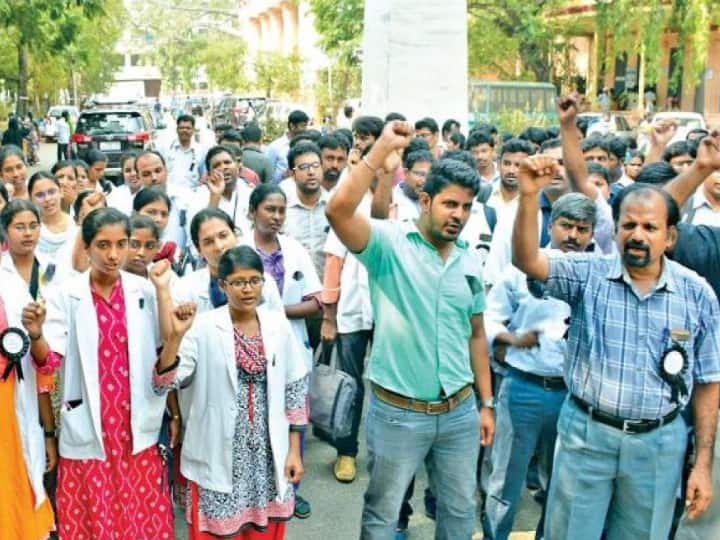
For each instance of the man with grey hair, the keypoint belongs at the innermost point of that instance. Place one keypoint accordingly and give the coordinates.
(532, 327)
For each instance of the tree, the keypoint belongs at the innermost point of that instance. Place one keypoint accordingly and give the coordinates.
(39, 28)
(276, 73)
(340, 27)
(224, 60)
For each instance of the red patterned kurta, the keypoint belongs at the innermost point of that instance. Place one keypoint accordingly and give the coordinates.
(123, 497)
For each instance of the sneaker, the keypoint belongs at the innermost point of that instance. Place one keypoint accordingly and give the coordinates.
(345, 469)
(302, 508)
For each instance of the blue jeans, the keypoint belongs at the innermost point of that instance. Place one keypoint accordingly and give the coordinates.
(525, 419)
(399, 441)
(604, 477)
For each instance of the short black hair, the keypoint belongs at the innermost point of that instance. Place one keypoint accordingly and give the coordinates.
(297, 117)
(417, 157)
(640, 189)
(416, 144)
(549, 144)
(94, 156)
(457, 138)
(450, 171)
(515, 145)
(368, 125)
(582, 123)
(634, 154)
(252, 133)
(678, 148)
(462, 156)
(150, 195)
(102, 217)
(232, 135)
(301, 149)
(449, 124)
(598, 170)
(346, 134)
(594, 142)
(483, 126)
(478, 137)
(239, 257)
(332, 142)
(214, 151)
(311, 135)
(389, 117)
(616, 146)
(185, 118)
(533, 134)
(427, 123)
(657, 173)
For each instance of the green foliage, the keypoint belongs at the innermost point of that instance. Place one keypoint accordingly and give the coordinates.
(515, 121)
(44, 37)
(224, 61)
(334, 85)
(340, 27)
(276, 73)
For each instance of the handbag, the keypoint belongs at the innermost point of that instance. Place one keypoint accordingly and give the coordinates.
(332, 397)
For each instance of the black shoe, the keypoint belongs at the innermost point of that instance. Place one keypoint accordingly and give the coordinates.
(302, 508)
(430, 504)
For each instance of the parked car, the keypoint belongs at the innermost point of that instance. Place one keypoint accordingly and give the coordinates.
(618, 125)
(49, 127)
(114, 131)
(238, 111)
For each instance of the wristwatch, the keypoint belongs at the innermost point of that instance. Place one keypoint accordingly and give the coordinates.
(486, 403)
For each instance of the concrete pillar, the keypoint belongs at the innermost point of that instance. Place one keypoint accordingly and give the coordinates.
(276, 30)
(415, 59)
(290, 27)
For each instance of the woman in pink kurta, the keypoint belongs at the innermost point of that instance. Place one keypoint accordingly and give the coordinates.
(124, 497)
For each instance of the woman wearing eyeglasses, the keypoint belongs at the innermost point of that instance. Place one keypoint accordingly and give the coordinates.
(246, 384)
(57, 227)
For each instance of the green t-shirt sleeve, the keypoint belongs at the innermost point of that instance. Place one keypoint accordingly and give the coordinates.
(479, 302)
(379, 246)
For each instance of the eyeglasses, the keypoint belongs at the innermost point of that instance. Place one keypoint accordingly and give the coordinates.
(42, 195)
(242, 283)
(22, 227)
(419, 174)
(307, 166)
(137, 244)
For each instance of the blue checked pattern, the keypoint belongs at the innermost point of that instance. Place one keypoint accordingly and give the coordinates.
(617, 337)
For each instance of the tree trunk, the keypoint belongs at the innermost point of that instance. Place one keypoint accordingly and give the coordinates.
(22, 97)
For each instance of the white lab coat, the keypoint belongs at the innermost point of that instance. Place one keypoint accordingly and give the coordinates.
(15, 296)
(208, 373)
(300, 280)
(71, 329)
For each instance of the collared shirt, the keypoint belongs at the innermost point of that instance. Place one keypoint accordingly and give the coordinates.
(618, 337)
(63, 131)
(702, 212)
(307, 225)
(404, 208)
(277, 152)
(512, 308)
(184, 164)
(423, 308)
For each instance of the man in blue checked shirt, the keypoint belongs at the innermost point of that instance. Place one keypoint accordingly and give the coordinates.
(533, 327)
(643, 336)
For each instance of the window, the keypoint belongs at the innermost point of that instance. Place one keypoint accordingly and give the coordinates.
(108, 123)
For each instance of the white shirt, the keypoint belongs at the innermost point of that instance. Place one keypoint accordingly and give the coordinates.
(512, 308)
(63, 131)
(183, 164)
(405, 207)
(237, 206)
(50, 243)
(702, 212)
(121, 199)
(354, 308)
(307, 225)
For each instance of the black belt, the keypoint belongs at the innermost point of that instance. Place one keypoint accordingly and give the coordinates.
(548, 383)
(627, 426)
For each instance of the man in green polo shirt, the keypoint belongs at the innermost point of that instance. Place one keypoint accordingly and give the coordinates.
(429, 345)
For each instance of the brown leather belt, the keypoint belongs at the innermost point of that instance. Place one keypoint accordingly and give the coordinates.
(440, 406)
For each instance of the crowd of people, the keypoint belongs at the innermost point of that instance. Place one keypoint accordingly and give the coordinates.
(535, 309)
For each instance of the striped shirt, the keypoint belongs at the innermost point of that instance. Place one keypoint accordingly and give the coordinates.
(617, 336)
